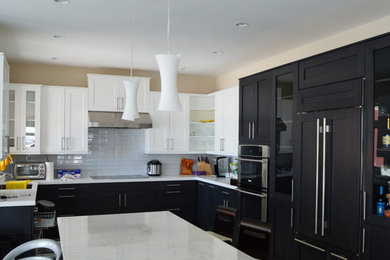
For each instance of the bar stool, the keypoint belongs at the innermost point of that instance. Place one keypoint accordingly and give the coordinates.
(224, 224)
(35, 244)
(254, 238)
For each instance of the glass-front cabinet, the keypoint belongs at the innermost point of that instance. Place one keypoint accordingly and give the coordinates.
(285, 84)
(24, 118)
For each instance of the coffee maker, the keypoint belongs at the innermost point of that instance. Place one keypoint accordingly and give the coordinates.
(221, 166)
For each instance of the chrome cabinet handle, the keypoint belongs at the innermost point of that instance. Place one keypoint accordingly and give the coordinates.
(253, 130)
(63, 143)
(291, 217)
(317, 169)
(123, 103)
(71, 188)
(18, 143)
(249, 128)
(117, 103)
(364, 241)
(224, 192)
(177, 184)
(173, 192)
(220, 144)
(223, 144)
(120, 199)
(292, 190)
(68, 143)
(364, 204)
(125, 199)
(324, 130)
(338, 256)
(309, 245)
(67, 196)
(23, 142)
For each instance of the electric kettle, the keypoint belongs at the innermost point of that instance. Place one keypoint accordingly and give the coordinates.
(154, 168)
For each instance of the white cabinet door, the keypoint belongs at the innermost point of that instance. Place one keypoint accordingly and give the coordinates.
(76, 120)
(103, 93)
(179, 126)
(226, 121)
(107, 93)
(230, 142)
(157, 137)
(53, 120)
(219, 121)
(4, 81)
(170, 131)
(24, 118)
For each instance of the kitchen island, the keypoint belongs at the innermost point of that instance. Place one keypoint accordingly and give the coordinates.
(152, 235)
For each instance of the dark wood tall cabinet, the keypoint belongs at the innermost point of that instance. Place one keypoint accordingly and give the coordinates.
(254, 109)
(376, 227)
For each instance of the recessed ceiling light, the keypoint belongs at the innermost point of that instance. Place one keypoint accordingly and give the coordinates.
(64, 2)
(58, 36)
(241, 25)
(217, 52)
(54, 58)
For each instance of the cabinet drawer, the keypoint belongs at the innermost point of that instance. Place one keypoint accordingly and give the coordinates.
(134, 186)
(173, 185)
(335, 66)
(331, 96)
(65, 189)
(174, 198)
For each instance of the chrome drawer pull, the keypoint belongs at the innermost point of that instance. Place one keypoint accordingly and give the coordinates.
(67, 196)
(173, 192)
(72, 188)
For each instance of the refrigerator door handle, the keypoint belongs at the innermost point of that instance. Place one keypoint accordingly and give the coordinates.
(317, 172)
(325, 129)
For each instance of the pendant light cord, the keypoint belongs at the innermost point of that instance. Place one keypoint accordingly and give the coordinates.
(132, 46)
(168, 25)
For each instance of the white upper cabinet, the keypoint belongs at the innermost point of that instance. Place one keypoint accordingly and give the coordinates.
(107, 93)
(24, 118)
(226, 121)
(4, 81)
(170, 132)
(64, 117)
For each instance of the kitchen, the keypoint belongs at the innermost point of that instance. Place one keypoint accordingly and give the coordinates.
(294, 88)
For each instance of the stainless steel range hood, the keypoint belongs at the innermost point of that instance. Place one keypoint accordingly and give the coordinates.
(113, 120)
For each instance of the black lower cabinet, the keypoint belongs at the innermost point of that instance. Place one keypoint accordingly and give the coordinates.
(227, 197)
(283, 246)
(112, 198)
(70, 200)
(206, 205)
(377, 241)
(16, 227)
(253, 207)
(178, 197)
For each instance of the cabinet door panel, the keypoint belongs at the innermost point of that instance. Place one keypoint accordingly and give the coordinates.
(307, 252)
(306, 180)
(30, 119)
(179, 126)
(52, 120)
(108, 203)
(103, 93)
(265, 110)
(219, 131)
(343, 180)
(230, 120)
(343, 64)
(14, 119)
(76, 120)
(248, 108)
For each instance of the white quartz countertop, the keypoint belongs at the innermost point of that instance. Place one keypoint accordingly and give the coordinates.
(19, 197)
(221, 181)
(153, 235)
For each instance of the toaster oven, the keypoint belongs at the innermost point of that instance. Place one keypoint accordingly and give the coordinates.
(31, 171)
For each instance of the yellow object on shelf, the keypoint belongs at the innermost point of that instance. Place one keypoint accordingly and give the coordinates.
(10, 185)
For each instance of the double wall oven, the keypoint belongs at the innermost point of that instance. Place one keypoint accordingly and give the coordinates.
(253, 163)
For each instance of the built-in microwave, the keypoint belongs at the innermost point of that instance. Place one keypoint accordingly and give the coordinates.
(31, 171)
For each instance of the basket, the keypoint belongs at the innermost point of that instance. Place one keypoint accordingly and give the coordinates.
(44, 219)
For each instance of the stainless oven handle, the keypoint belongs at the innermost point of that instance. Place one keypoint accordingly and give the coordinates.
(261, 195)
(253, 160)
(317, 168)
(323, 175)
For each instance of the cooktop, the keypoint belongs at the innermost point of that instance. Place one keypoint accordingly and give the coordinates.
(99, 177)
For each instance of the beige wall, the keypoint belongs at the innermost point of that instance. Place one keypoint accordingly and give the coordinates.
(356, 34)
(77, 76)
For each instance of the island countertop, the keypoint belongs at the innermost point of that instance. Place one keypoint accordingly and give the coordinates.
(153, 235)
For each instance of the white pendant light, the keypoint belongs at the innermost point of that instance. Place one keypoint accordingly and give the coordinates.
(131, 88)
(131, 85)
(168, 65)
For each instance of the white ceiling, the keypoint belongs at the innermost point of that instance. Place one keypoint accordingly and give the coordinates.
(98, 32)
